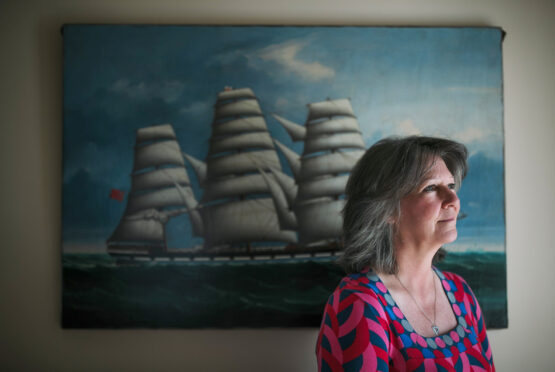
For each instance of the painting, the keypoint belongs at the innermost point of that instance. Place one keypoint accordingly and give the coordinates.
(204, 167)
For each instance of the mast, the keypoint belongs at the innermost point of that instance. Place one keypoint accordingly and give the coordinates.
(160, 189)
(332, 145)
(237, 208)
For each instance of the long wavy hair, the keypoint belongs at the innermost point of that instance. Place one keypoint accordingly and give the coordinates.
(389, 170)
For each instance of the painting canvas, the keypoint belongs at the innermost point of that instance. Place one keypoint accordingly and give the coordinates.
(204, 167)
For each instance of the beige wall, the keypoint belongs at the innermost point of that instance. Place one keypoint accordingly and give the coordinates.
(30, 149)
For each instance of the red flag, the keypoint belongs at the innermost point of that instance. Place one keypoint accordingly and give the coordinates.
(117, 194)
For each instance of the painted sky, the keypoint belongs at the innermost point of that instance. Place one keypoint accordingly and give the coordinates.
(433, 81)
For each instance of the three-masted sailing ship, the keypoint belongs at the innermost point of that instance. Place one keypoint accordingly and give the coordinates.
(249, 206)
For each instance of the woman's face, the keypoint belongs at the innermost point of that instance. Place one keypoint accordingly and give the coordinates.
(429, 215)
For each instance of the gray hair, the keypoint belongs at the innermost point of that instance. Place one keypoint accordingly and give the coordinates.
(389, 170)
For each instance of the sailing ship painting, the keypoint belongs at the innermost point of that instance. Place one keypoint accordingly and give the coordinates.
(213, 197)
(247, 198)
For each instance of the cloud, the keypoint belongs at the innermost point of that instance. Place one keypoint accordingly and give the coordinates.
(407, 128)
(195, 108)
(285, 55)
(470, 134)
(282, 102)
(123, 86)
(169, 91)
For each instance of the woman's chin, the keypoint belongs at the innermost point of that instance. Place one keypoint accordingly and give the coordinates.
(451, 237)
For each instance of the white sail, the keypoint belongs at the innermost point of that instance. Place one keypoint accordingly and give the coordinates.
(155, 132)
(246, 124)
(293, 159)
(296, 132)
(245, 221)
(236, 93)
(190, 205)
(320, 220)
(235, 186)
(320, 187)
(330, 108)
(286, 217)
(199, 166)
(241, 142)
(287, 184)
(242, 163)
(166, 152)
(158, 199)
(336, 125)
(134, 230)
(239, 108)
(159, 178)
(156, 194)
(333, 142)
(337, 162)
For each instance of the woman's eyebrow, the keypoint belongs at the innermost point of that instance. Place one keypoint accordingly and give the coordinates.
(436, 179)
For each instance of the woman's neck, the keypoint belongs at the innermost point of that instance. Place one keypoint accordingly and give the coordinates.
(414, 268)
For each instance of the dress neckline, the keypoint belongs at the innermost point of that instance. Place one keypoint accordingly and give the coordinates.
(460, 329)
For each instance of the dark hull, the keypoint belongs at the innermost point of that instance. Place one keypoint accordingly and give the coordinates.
(226, 254)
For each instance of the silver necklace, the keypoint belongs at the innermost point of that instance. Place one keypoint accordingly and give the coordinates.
(435, 328)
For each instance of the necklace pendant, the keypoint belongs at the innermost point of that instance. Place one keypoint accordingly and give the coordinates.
(435, 329)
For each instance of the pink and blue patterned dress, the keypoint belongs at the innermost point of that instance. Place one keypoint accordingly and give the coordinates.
(363, 330)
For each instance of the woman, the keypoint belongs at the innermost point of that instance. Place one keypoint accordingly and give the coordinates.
(394, 310)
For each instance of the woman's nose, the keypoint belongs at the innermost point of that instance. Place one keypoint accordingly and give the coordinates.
(450, 199)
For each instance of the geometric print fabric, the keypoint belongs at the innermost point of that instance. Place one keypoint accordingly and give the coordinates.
(363, 329)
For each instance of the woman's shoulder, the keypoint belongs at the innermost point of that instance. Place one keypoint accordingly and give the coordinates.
(360, 282)
(364, 287)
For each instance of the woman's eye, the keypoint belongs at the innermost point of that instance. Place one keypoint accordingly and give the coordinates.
(429, 188)
(452, 186)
